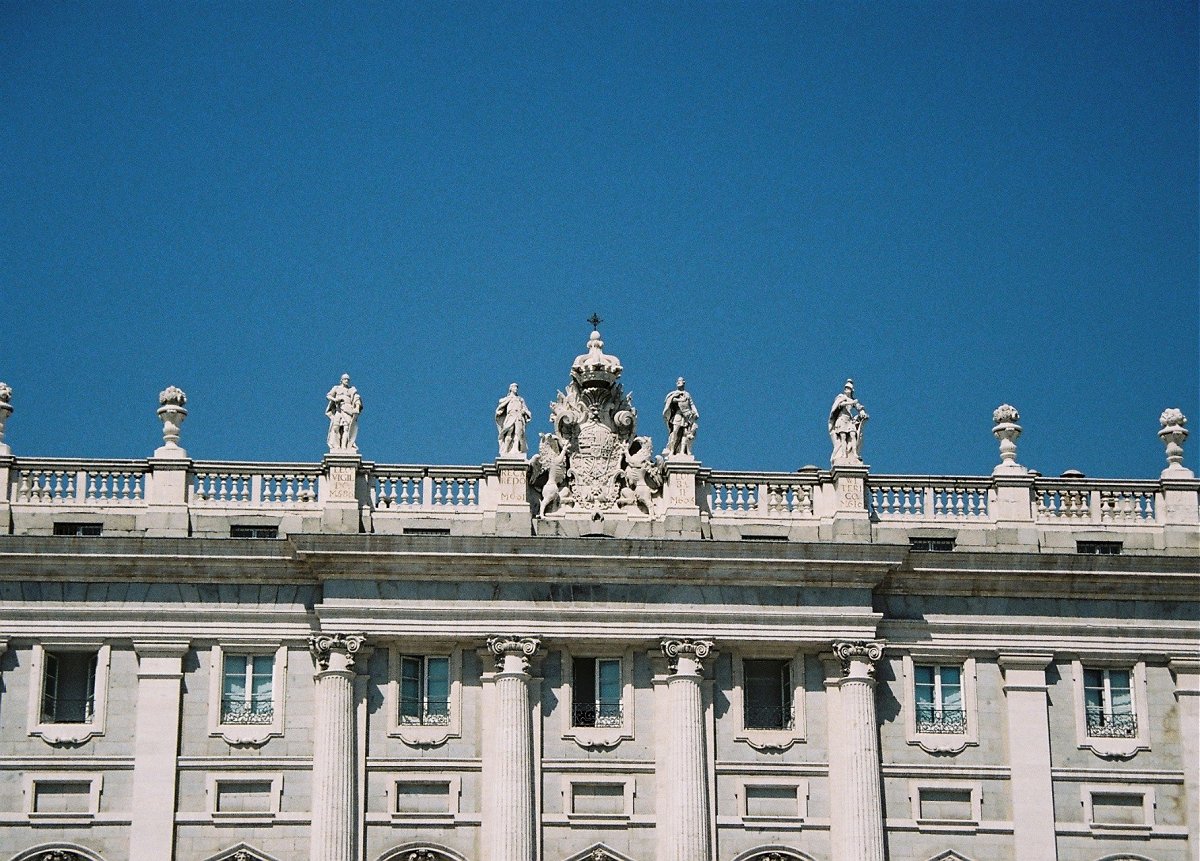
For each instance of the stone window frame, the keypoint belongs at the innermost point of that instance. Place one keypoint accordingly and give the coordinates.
(1113, 748)
(915, 785)
(424, 735)
(453, 799)
(214, 779)
(940, 742)
(68, 733)
(30, 780)
(596, 737)
(247, 734)
(770, 739)
(570, 781)
(742, 795)
(1088, 790)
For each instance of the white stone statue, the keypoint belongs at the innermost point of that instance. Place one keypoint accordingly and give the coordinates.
(512, 415)
(846, 419)
(343, 408)
(6, 409)
(683, 419)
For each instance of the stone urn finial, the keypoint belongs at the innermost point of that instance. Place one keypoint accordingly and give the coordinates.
(1173, 433)
(6, 409)
(171, 413)
(1006, 429)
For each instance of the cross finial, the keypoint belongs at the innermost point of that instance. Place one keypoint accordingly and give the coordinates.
(595, 320)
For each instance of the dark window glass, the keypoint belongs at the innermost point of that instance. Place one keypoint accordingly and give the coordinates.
(932, 545)
(237, 531)
(68, 687)
(767, 694)
(78, 528)
(1098, 548)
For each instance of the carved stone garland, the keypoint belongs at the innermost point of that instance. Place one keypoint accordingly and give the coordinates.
(594, 460)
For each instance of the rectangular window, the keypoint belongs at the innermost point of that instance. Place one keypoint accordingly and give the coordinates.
(932, 545)
(247, 695)
(68, 687)
(244, 796)
(422, 796)
(767, 694)
(426, 530)
(78, 528)
(1098, 548)
(1108, 704)
(945, 804)
(1118, 808)
(596, 692)
(598, 799)
(62, 796)
(241, 531)
(939, 699)
(424, 690)
(778, 802)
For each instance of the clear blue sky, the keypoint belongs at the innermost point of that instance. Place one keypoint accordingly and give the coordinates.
(957, 204)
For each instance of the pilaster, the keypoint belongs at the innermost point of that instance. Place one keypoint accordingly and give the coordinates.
(155, 750)
(334, 800)
(1187, 693)
(1029, 755)
(167, 494)
(686, 823)
(508, 756)
(857, 816)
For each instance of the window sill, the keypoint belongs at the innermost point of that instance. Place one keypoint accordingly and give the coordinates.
(769, 739)
(66, 733)
(1114, 748)
(62, 818)
(424, 735)
(943, 742)
(243, 815)
(598, 738)
(251, 735)
(1111, 828)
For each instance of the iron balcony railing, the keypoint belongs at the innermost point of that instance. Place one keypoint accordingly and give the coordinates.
(1111, 725)
(596, 714)
(429, 713)
(947, 721)
(767, 717)
(239, 711)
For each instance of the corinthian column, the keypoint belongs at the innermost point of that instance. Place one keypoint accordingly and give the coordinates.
(508, 763)
(686, 824)
(857, 812)
(334, 811)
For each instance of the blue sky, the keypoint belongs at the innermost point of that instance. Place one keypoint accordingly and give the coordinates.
(957, 204)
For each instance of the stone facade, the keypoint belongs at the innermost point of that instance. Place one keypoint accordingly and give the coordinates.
(595, 653)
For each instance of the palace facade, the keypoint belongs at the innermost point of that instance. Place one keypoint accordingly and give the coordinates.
(595, 653)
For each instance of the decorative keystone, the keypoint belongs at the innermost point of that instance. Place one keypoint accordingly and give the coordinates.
(1005, 418)
(1173, 433)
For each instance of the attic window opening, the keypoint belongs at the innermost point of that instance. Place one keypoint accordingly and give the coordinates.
(78, 528)
(427, 530)
(1098, 548)
(764, 538)
(931, 545)
(251, 531)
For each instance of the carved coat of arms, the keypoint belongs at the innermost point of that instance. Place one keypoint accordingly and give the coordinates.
(594, 460)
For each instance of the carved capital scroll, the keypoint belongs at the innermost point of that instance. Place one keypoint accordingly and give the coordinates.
(866, 651)
(512, 645)
(323, 646)
(697, 650)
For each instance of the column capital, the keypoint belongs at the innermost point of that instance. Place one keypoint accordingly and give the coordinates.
(693, 651)
(513, 652)
(325, 646)
(858, 657)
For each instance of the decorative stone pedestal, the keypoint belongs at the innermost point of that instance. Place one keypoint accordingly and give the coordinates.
(513, 514)
(682, 517)
(334, 804)
(341, 495)
(851, 519)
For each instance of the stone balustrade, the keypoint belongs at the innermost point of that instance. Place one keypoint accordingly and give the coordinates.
(208, 497)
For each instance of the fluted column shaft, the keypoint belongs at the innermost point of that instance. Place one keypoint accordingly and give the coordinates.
(860, 807)
(334, 808)
(686, 822)
(509, 766)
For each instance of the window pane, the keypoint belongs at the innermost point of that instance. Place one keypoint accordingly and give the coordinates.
(583, 692)
(609, 686)
(235, 677)
(439, 683)
(75, 687)
(764, 694)
(410, 687)
(923, 676)
(1093, 678)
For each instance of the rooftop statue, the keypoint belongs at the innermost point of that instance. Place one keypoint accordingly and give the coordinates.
(846, 419)
(682, 418)
(343, 408)
(594, 460)
(6, 410)
(512, 416)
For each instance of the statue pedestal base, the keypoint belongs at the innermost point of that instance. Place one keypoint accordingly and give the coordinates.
(851, 519)
(513, 514)
(682, 517)
(343, 494)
